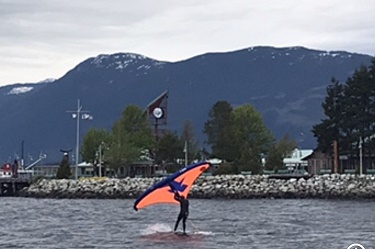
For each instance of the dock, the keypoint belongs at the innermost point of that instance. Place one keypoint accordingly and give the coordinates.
(10, 186)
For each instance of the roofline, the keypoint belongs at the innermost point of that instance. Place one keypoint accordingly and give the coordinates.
(156, 99)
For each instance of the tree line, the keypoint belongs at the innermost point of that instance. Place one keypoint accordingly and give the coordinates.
(238, 134)
(349, 110)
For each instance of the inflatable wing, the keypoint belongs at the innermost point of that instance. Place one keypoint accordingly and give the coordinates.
(182, 181)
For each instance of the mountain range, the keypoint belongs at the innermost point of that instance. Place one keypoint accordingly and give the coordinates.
(286, 85)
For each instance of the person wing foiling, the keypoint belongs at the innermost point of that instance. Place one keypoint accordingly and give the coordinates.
(161, 192)
(184, 209)
(174, 189)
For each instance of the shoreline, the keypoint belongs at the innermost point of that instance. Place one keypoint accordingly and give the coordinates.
(333, 186)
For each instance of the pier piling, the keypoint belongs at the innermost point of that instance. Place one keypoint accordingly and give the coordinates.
(10, 186)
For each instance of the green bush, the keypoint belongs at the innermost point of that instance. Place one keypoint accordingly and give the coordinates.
(226, 169)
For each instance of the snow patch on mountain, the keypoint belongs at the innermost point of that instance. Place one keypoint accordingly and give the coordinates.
(125, 60)
(20, 90)
(49, 80)
(301, 53)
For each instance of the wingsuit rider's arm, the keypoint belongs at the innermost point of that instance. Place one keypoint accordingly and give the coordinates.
(172, 187)
(176, 194)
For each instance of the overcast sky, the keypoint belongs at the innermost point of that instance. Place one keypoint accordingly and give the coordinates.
(42, 39)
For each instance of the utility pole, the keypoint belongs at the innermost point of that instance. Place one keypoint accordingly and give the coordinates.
(77, 115)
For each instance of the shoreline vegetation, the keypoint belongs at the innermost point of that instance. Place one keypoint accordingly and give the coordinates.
(329, 186)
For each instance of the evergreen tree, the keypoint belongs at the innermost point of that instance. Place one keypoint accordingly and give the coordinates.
(278, 152)
(359, 92)
(219, 129)
(350, 114)
(63, 171)
(170, 148)
(238, 135)
(360, 118)
(329, 129)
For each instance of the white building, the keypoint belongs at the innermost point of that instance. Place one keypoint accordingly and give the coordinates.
(295, 160)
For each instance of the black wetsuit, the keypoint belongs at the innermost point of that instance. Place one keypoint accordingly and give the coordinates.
(184, 211)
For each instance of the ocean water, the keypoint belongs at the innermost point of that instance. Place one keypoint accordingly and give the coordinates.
(216, 224)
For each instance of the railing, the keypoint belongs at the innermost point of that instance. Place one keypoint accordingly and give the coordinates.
(325, 171)
(245, 172)
(268, 172)
(349, 171)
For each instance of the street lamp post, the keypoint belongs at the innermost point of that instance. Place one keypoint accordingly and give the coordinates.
(77, 114)
(100, 160)
(79, 107)
(360, 157)
(22, 147)
(186, 153)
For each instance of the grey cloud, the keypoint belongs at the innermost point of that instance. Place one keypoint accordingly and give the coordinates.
(72, 30)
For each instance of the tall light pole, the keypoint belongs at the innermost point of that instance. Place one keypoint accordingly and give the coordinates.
(100, 159)
(22, 147)
(77, 115)
(360, 156)
(186, 153)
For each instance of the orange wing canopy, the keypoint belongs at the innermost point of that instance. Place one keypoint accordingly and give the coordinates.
(182, 181)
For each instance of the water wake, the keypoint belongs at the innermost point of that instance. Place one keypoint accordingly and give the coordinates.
(156, 228)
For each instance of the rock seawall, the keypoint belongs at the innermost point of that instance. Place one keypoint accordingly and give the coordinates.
(224, 186)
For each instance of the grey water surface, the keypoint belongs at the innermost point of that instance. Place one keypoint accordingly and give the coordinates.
(216, 224)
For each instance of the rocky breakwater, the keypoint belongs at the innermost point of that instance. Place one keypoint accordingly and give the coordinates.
(224, 186)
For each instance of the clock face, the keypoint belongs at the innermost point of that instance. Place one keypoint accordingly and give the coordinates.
(157, 112)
